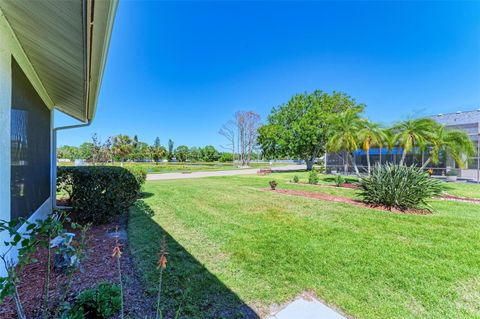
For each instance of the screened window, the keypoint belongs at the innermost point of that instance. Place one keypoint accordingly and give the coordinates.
(30, 147)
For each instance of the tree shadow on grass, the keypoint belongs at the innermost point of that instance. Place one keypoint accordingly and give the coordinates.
(187, 284)
(331, 179)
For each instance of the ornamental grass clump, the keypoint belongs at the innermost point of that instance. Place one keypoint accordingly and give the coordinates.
(313, 177)
(339, 180)
(399, 187)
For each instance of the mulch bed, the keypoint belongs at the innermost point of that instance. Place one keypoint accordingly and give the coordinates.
(98, 266)
(340, 199)
(460, 199)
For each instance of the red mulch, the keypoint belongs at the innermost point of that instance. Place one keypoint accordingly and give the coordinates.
(340, 199)
(97, 267)
(344, 185)
(460, 199)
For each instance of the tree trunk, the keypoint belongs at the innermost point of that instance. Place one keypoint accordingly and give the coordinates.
(426, 163)
(309, 163)
(404, 154)
(368, 162)
(354, 163)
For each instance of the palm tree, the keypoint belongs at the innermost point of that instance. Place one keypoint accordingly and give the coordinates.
(389, 141)
(122, 146)
(413, 133)
(371, 135)
(457, 144)
(344, 132)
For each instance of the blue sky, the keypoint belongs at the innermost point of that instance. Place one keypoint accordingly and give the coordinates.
(180, 70)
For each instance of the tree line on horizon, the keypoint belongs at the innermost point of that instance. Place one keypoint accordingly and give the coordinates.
(121, 148)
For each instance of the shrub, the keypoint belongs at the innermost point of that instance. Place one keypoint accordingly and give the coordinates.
(313, 177)
(139, 173)
(296, 179)
(98, 193)
(226, 157)
(400, 187)
(102, 302)
(339, 180)
(273, 185)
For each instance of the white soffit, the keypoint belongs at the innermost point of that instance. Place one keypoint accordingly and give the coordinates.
(66, 43)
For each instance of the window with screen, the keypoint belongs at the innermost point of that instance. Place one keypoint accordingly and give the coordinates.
(30, 147)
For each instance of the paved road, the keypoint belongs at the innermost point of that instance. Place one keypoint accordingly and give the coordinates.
(245, 171)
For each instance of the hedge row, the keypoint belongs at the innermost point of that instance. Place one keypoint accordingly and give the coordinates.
(98, 193)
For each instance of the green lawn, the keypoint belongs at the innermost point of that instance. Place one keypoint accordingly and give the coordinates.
(234, 247)
(173, 167)
(463, 189)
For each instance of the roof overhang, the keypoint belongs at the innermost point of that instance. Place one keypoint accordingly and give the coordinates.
(65, 46)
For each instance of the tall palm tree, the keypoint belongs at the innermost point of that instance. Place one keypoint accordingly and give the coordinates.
(413, 133)
(343, 134)
(457, 144)
(371, 135)
(389, 141)
(122, 146)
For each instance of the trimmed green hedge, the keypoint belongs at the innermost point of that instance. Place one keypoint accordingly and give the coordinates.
(99, 193)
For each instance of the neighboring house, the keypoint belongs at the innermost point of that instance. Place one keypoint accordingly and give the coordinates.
(52, 56)
(470, 123)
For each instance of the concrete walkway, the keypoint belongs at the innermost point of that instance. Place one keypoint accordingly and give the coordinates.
(303, 308)
(244, 171)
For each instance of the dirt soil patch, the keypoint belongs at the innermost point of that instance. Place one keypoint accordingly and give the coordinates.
(460, 199)
(347, 200)
(97, 267)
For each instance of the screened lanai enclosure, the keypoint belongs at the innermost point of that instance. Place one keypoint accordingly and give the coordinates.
(466, 121)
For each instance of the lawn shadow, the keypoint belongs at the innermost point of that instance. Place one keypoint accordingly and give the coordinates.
(146, 195)
(331, 179)
(187, 284)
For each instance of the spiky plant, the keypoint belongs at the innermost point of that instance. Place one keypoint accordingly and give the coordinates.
(400, 187)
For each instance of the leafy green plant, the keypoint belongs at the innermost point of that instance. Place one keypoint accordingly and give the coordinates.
(398, 186)
(98, 193)
(25, 242)
(104, 301)
(273, 184)
(339, 180)
(296, 179)
(313, 177)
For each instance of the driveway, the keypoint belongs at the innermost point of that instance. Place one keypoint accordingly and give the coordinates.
(244, 171)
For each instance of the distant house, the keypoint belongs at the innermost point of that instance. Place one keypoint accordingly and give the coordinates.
(52, 56)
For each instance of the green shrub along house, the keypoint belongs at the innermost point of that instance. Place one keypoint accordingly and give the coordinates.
(52, 56)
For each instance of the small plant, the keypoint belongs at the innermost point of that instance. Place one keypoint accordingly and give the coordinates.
(398, 186)
(339, 180)
(117, 254)
(161, 266)
(295, 179)
(273, 185)
(102, 302)
(313, 177)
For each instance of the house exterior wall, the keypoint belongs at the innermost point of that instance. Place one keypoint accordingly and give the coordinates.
(10, 51)
(5, 107)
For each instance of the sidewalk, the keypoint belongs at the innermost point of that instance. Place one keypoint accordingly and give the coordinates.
(245, 171)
